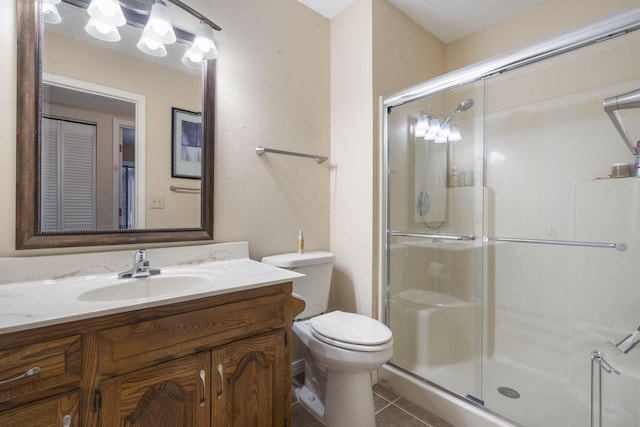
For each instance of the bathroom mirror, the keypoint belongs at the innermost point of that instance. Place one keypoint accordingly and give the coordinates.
(41, 82)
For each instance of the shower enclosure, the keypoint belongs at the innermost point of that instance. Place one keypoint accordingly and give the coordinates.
(512, 257)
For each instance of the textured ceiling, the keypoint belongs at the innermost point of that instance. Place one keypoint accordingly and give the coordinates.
(448, 20)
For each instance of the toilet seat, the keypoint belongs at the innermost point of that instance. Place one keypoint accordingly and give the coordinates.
(351, 331)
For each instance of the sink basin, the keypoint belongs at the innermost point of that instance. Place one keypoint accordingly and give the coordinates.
(147, 287)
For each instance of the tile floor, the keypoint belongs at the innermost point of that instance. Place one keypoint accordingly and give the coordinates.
(391, 409)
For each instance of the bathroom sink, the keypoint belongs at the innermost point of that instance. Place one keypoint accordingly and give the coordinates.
(147, 287)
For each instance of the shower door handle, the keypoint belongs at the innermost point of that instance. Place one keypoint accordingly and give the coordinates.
(463, 237)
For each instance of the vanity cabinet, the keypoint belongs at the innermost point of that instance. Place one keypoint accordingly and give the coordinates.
(215, 361)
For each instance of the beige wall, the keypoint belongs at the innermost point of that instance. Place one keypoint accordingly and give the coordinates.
(273, 90)
(541, 21)
(375, 50)
(290, 79)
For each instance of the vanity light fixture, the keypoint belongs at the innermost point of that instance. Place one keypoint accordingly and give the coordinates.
(106, 32)
(107, 12)
(455, 134)
(159, 26)
(50, 12)
(203, 42)
(441, 133)
(430, 129)
(158, 31)
(151, 47)
(202, 48)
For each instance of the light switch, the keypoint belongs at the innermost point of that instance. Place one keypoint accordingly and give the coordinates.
(157, 202)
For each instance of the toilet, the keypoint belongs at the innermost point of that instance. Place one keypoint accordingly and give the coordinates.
(340, 349)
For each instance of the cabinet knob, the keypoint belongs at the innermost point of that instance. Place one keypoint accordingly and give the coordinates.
(66, 421)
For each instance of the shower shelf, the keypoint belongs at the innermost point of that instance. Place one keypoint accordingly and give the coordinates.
(621, 247)
(466, 237)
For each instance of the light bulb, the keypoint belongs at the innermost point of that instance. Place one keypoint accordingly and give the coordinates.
(159, 26)
(50, 13)
(151, 47)
(434, 125)
(455, 134)
(440, 139)
(423, 123)
(97, 29)
(107, 12)
(203, 42)
(445, 130)
(192, 59)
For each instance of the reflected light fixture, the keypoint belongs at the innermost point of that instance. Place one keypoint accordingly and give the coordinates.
(203, 42)
(106, 32)
(159, 26)
(455, 134)
(50, 12)
(151, 47)
(422, 125)
(107, 12)
(192, 59)
(107, 15)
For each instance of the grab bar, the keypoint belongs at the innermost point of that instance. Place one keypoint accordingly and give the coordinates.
(187, 189)
(261, 150)
(465, 237)
(621, 247)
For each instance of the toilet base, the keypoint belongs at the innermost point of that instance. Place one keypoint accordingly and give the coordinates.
(310, 402)
(348, 403)
(349, 400)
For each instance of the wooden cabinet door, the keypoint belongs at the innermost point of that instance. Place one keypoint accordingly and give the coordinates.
(60, 411)
(251, 383)
(172, 394)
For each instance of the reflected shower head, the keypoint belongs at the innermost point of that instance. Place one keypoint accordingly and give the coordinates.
(463, 106)
(622, 102)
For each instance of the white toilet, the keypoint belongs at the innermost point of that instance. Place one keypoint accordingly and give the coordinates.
(341, 349)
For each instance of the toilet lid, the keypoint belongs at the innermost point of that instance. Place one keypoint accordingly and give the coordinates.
(423, 298)
(355, 330)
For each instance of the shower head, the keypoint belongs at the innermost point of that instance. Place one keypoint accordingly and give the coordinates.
(622, 102)
(463, 106)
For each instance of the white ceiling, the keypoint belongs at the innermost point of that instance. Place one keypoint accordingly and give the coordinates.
(448, 20)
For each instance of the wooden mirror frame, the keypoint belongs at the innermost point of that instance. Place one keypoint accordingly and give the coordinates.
(29, 85)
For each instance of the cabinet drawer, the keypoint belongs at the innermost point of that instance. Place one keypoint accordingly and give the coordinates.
(58, 411)
(126, 348)
(39, 370)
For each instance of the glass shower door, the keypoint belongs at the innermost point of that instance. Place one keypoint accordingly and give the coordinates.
(435, 220)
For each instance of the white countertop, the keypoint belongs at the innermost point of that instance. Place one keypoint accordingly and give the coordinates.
(31, 304)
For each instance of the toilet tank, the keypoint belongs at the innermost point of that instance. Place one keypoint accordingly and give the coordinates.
(315, 286)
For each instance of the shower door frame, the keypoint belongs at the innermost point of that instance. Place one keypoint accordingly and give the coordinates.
(612, 26)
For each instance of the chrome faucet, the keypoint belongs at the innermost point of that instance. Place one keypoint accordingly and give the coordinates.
(629, 341)
(140, 267)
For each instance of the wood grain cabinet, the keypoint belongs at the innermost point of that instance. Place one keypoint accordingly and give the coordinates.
(250, 378)
(216, 361)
